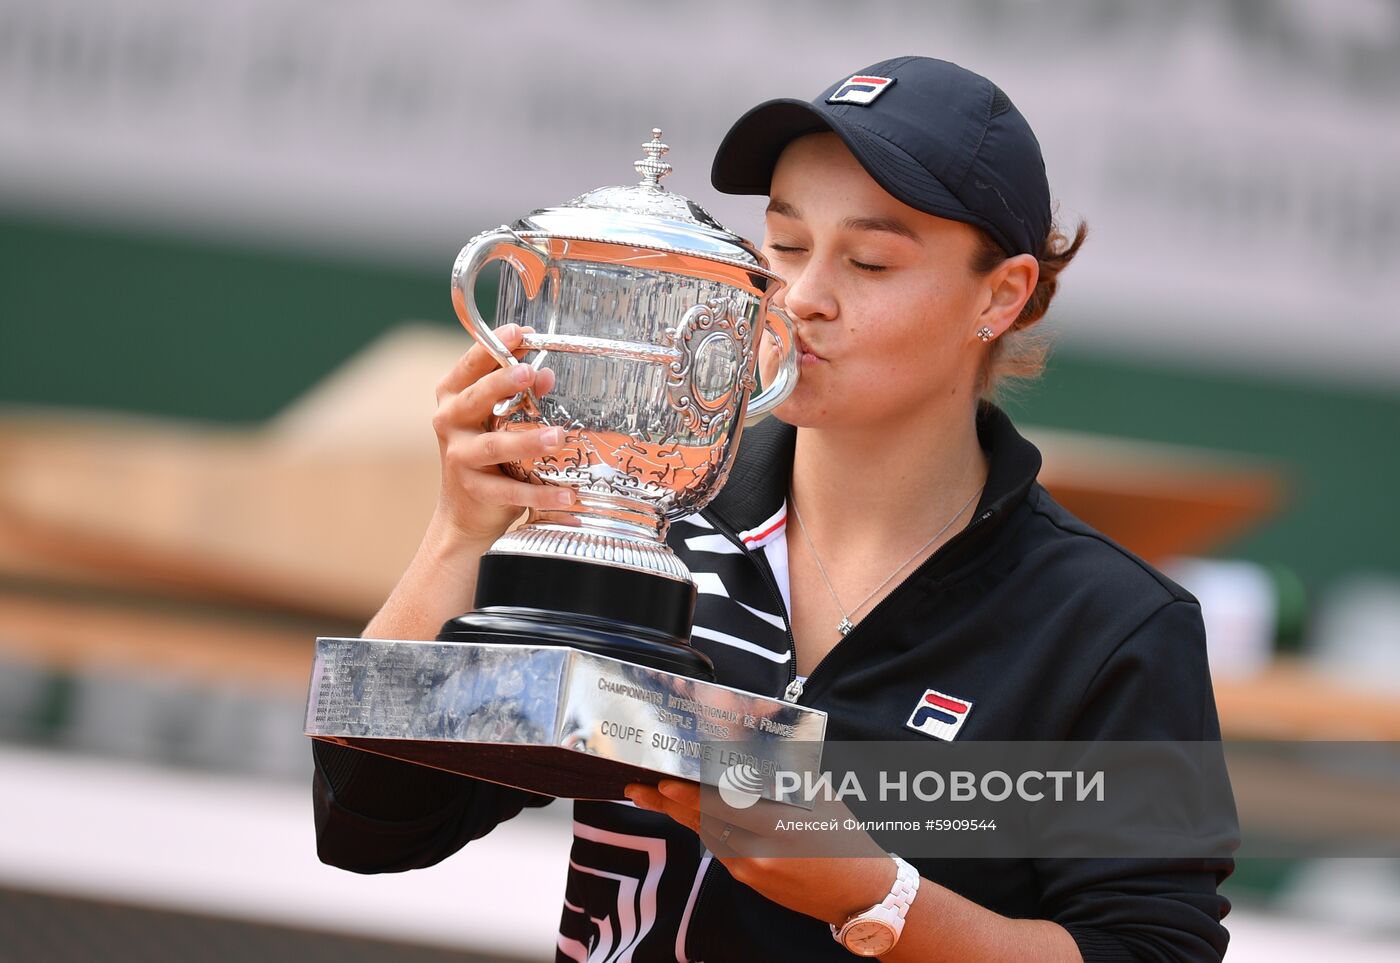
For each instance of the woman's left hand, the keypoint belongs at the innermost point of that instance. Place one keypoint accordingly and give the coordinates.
(828, 888)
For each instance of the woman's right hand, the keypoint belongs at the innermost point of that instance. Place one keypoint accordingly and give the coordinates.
(477, 501)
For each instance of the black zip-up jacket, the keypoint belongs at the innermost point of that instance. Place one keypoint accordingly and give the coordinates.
(1051, 629)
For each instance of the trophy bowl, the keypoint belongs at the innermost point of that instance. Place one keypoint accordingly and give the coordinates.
(652, 316)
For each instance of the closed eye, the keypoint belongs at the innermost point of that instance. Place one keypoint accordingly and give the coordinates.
(869, 268)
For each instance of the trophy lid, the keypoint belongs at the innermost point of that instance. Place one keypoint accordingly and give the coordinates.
(645, 214)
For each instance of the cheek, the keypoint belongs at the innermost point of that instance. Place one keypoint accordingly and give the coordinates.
(930, 318)
(903, 335)
(918, 353)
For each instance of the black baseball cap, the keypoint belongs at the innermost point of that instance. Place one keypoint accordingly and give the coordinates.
(938, 137)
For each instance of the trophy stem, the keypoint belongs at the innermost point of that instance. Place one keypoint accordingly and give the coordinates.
(608, 513)
(608, 530)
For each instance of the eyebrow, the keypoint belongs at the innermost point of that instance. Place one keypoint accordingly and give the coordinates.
(890, 225)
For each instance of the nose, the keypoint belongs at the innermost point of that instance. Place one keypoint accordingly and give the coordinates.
(808, 294)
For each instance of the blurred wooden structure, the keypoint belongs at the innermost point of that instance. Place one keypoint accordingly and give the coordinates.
(1157, 500)
(225, 552)
(1291, 701)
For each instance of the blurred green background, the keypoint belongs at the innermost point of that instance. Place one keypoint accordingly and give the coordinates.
(185, 327)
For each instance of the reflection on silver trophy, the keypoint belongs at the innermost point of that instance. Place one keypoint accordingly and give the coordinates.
(573, 674)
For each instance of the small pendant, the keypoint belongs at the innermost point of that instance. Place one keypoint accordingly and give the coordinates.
(845, 627)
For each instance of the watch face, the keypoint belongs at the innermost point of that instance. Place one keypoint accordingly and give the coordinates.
(868, 938)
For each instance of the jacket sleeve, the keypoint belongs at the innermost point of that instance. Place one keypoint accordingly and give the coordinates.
(1154, 686)
(380, 815)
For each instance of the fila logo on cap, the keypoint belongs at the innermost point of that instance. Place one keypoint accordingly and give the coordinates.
(939, 715)
(861, 89)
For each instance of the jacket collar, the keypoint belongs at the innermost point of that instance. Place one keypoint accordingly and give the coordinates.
(758, 483)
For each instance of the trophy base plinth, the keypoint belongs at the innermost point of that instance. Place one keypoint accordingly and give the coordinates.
(551, 719)
(546, 770)
(623, 614)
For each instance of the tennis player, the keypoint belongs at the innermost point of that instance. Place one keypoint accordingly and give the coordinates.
(882, 551)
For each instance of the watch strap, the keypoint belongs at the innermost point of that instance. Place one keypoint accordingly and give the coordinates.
(893, 908)
(906, 887)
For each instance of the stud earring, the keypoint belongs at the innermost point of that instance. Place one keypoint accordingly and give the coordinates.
(985, 333)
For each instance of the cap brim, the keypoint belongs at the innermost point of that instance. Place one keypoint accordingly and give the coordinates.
(748, 154)
(746, 157)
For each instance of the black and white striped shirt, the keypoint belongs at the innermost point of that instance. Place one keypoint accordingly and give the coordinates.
(634, 876)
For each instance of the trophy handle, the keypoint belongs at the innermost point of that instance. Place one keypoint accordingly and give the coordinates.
(779, 328)
(501, 244)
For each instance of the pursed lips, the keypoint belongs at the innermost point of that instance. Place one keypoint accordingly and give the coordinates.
(804, 348)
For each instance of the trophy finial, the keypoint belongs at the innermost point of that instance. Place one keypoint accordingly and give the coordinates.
(652, 167)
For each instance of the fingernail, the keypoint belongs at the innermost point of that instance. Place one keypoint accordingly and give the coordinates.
(564, 498)
(552, 437)
(521, 373)
(508, 332)
(666, 788)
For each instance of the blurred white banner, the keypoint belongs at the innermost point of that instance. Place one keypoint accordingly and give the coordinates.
(1235, 160)
(236, 848)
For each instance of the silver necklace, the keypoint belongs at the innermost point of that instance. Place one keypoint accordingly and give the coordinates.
(846, 625)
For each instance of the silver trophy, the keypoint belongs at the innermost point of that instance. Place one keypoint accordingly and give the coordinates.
(650, 314)
(573, 674)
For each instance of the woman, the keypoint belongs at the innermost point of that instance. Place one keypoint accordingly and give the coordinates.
(883, 538)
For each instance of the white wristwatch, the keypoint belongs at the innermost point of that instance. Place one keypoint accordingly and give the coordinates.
(878, 929)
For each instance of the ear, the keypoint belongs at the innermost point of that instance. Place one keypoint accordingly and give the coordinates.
(1009, 286)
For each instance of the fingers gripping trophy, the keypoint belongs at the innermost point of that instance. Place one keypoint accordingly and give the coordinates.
(653, 317)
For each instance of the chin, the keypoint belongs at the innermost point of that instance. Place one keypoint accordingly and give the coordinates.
(804, 413)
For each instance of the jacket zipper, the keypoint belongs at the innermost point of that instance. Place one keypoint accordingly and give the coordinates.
(793, 692)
